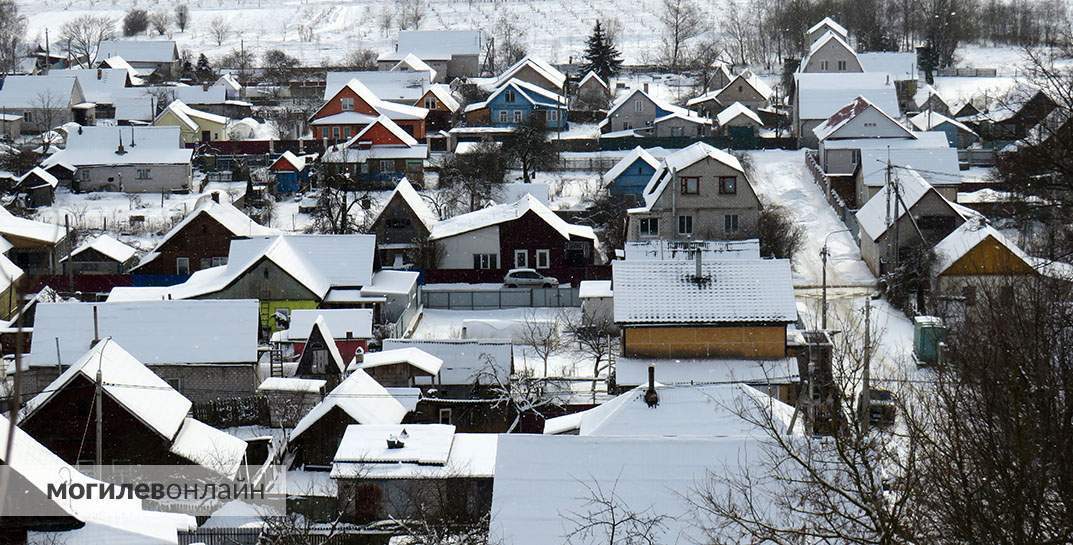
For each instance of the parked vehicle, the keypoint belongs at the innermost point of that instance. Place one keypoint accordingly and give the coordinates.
(528, 277)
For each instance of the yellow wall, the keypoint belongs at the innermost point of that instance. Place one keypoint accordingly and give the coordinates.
(217, 130)
(761, 342)
(989, 257)
(269, 307)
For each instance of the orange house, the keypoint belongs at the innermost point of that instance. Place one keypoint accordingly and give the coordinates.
(354, 107)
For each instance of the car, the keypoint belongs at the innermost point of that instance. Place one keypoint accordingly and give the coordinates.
(528, 277)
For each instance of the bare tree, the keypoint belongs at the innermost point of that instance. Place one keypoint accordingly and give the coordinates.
(182, 16)
(410, 14)
(219, 30)
(542, 335)
(593, 337)
(294, 528)
(522, 393)
(682, 21)
(360, 59)
(606, 518)
(85, 34)
(530, 147)
(12, 30)
(159, 20)
(475, 175)
(48, 111)
(427, 253)
(737, 30)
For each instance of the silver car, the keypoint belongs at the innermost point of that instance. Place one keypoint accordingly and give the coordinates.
(528, 277)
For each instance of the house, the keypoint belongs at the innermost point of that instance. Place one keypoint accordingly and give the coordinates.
(10, 126)
(101, 254)
(127, 159)
(203, 349)
(10, 276)
(738, 121)
(45, 102)
(592, 93)
(697, 192)
(35, 247)
(406, 471)
(462, 391)
(104, 87)
(920, 216)
(201, 240)
(320, 357)
(681, 125)
(39, 517)
(195, 126)
(818, 96)
(481, 246)
(535, 72)
(350, 328)
(515, 102)
(213, 99)
(902, 66)
(39, 187)
(232, 88)
(354, 106)
(597, 303)
(637, 111)
(158, 57)
(404, 221)
(395, 85)
(358, 399)
(291, 171)
(928, 99)
(686, 250)
(381, 151)
(411, 63)
(746, 88)
(977, 255)
(143, 417)
(631, 174)
(818, 30)
(958, 134)
(830, 53)
(720, 76)
(400, 367)
(452, 54)
(442, 106)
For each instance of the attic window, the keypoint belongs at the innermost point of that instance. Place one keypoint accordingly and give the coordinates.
(347, 104)
(510, 95)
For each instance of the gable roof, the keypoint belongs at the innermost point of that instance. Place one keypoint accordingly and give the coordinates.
(821, 94)
(108, 246)
(100, 85)
(531, 93)
(158, 51)
(21, 92)
(937, 165)
(127, 381)
(926, 121)
(967, 237)
(829, 23)
(357, 321)
(435, 45)
(848, 113)
(688, 117)
(902, 66)
(593, 76)
(359, 396)
(224, 213)
(410, 355)
(636, 154)
(392, 127)
(733, 290)
(321, 329)
(37, 173)
(429, 451)
(821, 42)
(99, 146)
(382, 107)
(189, 116)
(661, 104)
(734, 110)
(16, 227)
(752, 80)
(464, 360)
(547, 71)
(405, 191)
(155, 332)
(295, 162)
(502, 213)
(443, 94)
(872, 217)
(394, 84)
(412, 63)
(680, 160)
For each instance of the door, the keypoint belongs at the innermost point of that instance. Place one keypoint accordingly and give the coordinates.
(206, 136)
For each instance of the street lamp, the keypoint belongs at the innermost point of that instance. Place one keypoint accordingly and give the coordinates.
(824, 252)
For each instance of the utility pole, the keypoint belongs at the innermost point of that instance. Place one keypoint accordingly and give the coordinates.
(70, 248)
(823, 308)
(97, 395)
(866, 392)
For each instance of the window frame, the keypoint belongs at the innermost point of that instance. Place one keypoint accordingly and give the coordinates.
(648, 227)
(546, 255)
(504, 116)
(684, 183)
(731, 223)
(182, 263)
(524, 262)
(688, 221)
(728, 185)
(518, 116)
(346, 104)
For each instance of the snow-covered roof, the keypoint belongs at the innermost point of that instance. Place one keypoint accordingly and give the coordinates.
(901, 66)
(872, 217)
(729, 291)
(594, 289)
(661, 104)
(385, 122)
(155, 332)
(294, 161)
(229, 82)
(464, 359)
(549, 72)
(501, 213)
(10, 273)
(822, 41)
(637, 153)
(689, 117)
(12, 226)
(291, 384)
(410, 63)
(40, 174)
(829, 23)
(158, 51)
(927, 121)
(126, 380)
(362, 398)
(734, 110)
(356, 321)
(108, 246)
(429, 451)
(435, 45)
(938, 166)
(90, 146)
(966, 237)
(443, 93)
(693, 371)
(189, 116)
(821, 94)
(401, 85)
(685, 250)
(209, 447)
(390, 282)
(848, 113)
(680, 160)
(411, 355)
(529, 92)
(683, 410)
(594, 77)
(224, 213)
(23, 92)
(321, 325)
(99, 85)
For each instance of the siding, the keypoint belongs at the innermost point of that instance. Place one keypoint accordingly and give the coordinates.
(759, 341)
(458, 250)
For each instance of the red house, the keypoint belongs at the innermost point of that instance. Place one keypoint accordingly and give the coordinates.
(354, 107)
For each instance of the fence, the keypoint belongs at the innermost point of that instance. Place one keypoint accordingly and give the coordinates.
(227, 536)
(845, 213)
(590, 164)
(977, 157)
(238, 411)
(969, 72)
(485, 299)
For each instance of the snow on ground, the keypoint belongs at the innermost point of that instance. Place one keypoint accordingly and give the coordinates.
(956, 90)
(781, 178)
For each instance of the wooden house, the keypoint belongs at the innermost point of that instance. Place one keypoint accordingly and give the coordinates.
(351, 329)
(958, 134)
(403, 222)
(738, 121)
(101, 254)
(195, 126)
(746, 88)
(631, 174)
(291, 172)
(141, 428)
(35, 247)
(442, 106)
(830, 53)
(515, 102)
(320, 357)
(592, 93)
(354, 106)
(535, 72)
(975, 256)
(39, 187)
(10, 276)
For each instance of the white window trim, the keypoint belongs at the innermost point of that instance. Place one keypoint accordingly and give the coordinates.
(522, 263)
(679, 226)
(545, 257)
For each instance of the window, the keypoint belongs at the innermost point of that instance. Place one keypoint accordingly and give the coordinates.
(823, 65)
(28, 117)
(175, 383)
(182, 265)
(841, 66)
(335, 133)
(543, 259)
(741, 89)
(503, 116)
(521, 259)
(553, 116)
(430, 103)
(320, 360)
(650, 227)
(206, 263)
(728, 185)
(397, 223)
(676, 131)
(219, 261)
(143, 174)
(346, 132)
(626, 125)
(510, 95)
(855, 157)
(730, 223)
(347, 104)
(387, 165)
(690, 185)
(638, 105)
(485, 261)
(685, 225)
(445, 416)
(517, 116)
(84, 175)
(936, 223)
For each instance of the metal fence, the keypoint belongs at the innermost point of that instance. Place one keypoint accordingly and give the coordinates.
(486, 299)
(223, 536)
(977, 157)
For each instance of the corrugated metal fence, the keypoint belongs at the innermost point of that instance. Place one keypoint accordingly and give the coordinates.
(485, 299)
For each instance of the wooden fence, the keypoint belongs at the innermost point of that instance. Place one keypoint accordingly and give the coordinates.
(226, 536)
(237, 411)
(496, 298)
(845, 213)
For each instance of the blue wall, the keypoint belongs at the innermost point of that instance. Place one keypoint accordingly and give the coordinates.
(633, 180)
(499, 103)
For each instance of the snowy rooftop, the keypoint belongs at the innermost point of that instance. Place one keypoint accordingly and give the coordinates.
(926, 121)
(362, 398)
(224, 213)
(872, 217)
(686, 250)
(939, 166)
(443, 93)
(412, 355)
(435, 44)
(512, 191)
(636, 154)
(387, 85)
(829, 23)
(108, 246)
(729, 291)
(901, 66)
(823, 40)
(848, 113)
(155, 332)
(590, 289)
(405, 191)
(140, 146)
(159, 51)
(21, 92)
(99, 85)
(356, 321)
(734, 110)
(661, 104)
(502, 213)
(424, 444)
(630, 371)
(822, 94)
(464, 360)
(552, 74)
(291, 384)
(209, 447)
(679, 160)
(190, 116)
(12, 226)
(967, 237)
(470, 455)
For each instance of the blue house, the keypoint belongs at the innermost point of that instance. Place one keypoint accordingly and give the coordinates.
(631, 174)
(291, 172)
(515, 101)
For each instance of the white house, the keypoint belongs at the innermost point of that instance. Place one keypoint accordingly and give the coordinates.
(128, 159)
(818, 96)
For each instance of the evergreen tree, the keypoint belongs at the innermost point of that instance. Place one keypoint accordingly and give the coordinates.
(203, 68)
(601, 55)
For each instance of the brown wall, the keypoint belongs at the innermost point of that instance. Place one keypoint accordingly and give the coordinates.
(759, 341)
(202, 238)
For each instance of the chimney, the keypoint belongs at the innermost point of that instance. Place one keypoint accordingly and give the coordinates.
(100, 74)
(699, 260)
(651, 396)
(132, 144)
(96, 329)
(359, 356)
(119, 150)
(215, 197)
(645, 87)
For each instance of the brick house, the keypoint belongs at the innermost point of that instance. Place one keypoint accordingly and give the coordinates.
(354, 107)
(381, 151)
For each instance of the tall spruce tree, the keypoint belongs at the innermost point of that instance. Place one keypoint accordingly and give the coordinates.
(601, 56)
